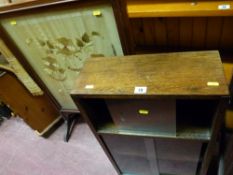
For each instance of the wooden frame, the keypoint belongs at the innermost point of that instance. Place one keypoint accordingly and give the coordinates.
(45, 6)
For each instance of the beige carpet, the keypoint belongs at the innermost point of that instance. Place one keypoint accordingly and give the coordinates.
(22, 152)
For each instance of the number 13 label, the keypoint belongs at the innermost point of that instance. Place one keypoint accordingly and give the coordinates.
(140, 90)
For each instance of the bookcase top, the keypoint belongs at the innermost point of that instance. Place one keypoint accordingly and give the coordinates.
(198, 73)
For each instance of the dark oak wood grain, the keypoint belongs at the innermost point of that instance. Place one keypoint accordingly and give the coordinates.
(175, 74)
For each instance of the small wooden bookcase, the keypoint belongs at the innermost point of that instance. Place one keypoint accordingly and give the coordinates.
(155, 114)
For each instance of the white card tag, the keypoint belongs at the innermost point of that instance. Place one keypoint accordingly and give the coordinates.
(140, 90)
(212, 83)
(224, 6)
(89, 86)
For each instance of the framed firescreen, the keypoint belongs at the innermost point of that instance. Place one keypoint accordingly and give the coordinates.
(55, 40)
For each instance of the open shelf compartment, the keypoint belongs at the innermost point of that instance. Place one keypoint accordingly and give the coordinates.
(193, 119)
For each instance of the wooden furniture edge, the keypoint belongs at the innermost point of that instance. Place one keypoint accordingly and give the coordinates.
(158, 8)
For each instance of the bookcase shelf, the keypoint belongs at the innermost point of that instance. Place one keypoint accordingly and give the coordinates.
(178, 8)
(192, 133)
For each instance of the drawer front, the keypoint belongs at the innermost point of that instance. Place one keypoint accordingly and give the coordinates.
(133, 155)
(183, 150)
(144, 115)
(177, 167)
